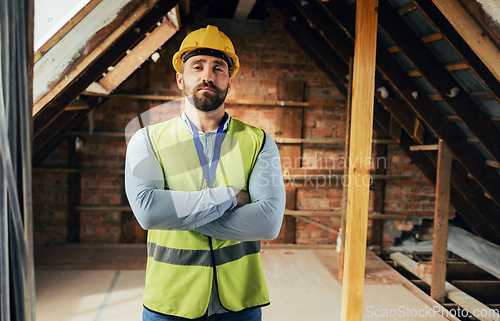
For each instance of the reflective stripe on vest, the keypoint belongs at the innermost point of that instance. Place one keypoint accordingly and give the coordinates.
(180, 270)
(202, 257)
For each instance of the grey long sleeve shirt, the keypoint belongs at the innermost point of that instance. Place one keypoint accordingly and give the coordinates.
(213, 211)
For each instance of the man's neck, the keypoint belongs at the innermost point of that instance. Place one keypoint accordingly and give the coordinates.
(205, 121)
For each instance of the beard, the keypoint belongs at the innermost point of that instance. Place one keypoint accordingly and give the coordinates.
(206, 101)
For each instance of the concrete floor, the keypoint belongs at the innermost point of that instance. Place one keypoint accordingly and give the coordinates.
(77, 283)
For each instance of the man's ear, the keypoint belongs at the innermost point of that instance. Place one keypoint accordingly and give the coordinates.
(229, 84)
(178, 77)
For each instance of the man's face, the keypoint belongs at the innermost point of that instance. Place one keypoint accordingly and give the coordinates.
(205, 81)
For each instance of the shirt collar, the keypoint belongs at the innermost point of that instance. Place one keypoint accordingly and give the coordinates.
(185, 119)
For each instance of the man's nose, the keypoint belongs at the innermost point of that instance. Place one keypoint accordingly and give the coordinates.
(208, 75)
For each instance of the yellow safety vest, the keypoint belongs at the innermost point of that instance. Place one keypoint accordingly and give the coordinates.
(182, 265)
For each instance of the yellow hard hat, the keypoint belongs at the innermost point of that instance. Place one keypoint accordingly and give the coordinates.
(213, 40)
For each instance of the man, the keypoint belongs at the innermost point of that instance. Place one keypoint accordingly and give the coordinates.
(208, 188)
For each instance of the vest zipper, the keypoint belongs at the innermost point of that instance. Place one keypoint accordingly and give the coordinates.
(215, 271)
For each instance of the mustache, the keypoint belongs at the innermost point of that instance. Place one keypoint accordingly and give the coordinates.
(206, 85)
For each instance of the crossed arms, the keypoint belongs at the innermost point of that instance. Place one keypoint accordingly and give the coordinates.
(215, 212)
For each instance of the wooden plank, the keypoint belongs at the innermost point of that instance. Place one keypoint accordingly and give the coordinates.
(425, 108)
(44, 138)
(249, 102)
(484, 290)
(287, 121)
(450, 134)
(137, 56)
(419, 131)
(318, 224)
(330, 177)
(441, 211)
(243, 9)
(442, 81)
(488, 20)
(395, 129)
(74, 190)
(111, 208)
(360, 152)
(424, 147)
(466, 196)
(373, 216)
(131, 231)
(65, 29)
(343, 220)
(472, 33)
(453, 293)
(79, 170)
(428, 8)
(322, 141)
(96, 46)
(377, 228)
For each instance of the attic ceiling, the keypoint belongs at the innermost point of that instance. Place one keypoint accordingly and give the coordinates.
(438, 71)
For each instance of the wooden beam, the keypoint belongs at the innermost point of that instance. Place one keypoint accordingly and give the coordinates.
(44, 69)
(287, 121)
(336, 179)
(424, 147)
(373, 216)
(441, 80)
(321, 141)
(74, 190)
(325, 141)
(402, 83)
(359, 151)
(472, 33)
(243, 9)
(484, 290)
(343, 220)
(65, 29)
(486, 177)
(451, 35)
(137, 56)
(453, 293)
(318, 224)
(249, 102)
(466, 196)
(483, 15)
(111, 208)
(441, 211)
(45, 137)
(377, 228)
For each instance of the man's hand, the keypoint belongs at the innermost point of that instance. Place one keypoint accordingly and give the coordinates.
(242, 197)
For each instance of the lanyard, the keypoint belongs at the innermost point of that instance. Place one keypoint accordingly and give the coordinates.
(209, 172)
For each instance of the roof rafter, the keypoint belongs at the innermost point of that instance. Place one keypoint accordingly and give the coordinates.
(449, 33)
(439, 78)
(484, 47)
(464, 152)
(470, 201)
(53, 120)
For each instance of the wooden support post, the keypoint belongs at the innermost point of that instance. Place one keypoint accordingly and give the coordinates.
(131, 231)
(74, 190)
(359, 159)
(343, 220)
(377, 228)
(441, 211)
(288, 124)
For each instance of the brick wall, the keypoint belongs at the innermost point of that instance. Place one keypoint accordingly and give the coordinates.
(264, 60)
